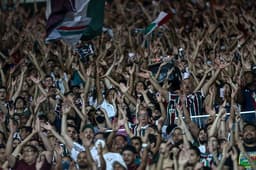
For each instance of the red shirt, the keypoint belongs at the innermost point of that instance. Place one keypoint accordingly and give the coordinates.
(21, 165)
(132, 167)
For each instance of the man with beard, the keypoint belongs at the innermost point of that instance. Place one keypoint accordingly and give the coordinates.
(202, 140)
(86, 136)
(82, 161)
(177, 136)
(249, 143)
(129, 156)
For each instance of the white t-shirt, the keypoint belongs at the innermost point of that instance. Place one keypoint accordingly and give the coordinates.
(109, 157)
(77, 148)
(110, 109)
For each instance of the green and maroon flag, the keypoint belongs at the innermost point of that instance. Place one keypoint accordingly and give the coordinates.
(162, 18)
(70, 20)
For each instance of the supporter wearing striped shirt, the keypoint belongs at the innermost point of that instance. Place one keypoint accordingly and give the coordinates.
(194, 97)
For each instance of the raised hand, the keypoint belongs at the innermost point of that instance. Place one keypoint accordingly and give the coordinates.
(40, 161)
(183, 158)
(234, 90)
(59, 149)
(89, 70)
(145, 74)
(65, 108)
(36, 80)
(40, 99)
(234, 154)
(159, 97)
(46, 126)
(123, 88)
(12, 126)
(75, 66)
(108, 45)
(131, 69)
(14, 81)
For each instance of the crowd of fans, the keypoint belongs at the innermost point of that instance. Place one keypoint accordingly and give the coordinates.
(168, 101)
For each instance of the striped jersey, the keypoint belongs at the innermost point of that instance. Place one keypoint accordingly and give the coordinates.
(194, 104)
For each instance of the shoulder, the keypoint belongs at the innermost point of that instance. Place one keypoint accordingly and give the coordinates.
(78, 147)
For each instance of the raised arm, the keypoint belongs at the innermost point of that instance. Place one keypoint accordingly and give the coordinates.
(148, 75)
(43, 136)
(15, 153)
(67, 139)
(191, 125)
(160, 101)
(187, 137)
(199, 86)
(38, 83)
(35, 62)
(122, 113)
(13, 128)
(3, 78)
(207, 85)
(50, 128)
(123, 89)
(98, 87)
(80, 114)
(87, 82)
(17, 92)
(214, 127)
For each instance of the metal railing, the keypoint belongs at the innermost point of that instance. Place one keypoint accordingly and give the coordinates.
(248, 116)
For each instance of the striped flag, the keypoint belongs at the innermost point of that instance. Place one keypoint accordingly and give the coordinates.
(162, 18)
(71, 20)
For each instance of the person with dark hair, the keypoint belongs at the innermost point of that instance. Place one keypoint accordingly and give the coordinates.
(72, 132)
(248, 89)
(107, 103)
(202, 140)
(31, 158)
(177, 136)
(25, 131)
(102, 121)
(118, 166)
(249, 144)
(137, 143)
(119, 142)
(83, 162)
(129, 156)
(194, 156)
